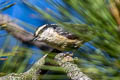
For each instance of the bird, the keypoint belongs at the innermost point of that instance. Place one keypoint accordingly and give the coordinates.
(57, 37)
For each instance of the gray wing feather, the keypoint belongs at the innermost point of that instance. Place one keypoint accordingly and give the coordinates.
(60, 30)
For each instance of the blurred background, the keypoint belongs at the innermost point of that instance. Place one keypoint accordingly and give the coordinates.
(98, 56)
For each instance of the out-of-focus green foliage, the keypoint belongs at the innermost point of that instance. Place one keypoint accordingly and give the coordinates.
(17, 60)
(104, 62)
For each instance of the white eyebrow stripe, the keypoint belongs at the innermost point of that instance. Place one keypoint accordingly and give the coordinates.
(53, 24)
(39, 29)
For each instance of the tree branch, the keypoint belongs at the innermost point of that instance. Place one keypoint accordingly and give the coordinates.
(7, 24)
(31, 74)
(72, 70)
(64, 60)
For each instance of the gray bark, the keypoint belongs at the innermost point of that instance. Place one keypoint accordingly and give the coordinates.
(72, 70)
(31, 74)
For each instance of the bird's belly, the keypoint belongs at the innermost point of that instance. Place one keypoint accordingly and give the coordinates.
(57, 41)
